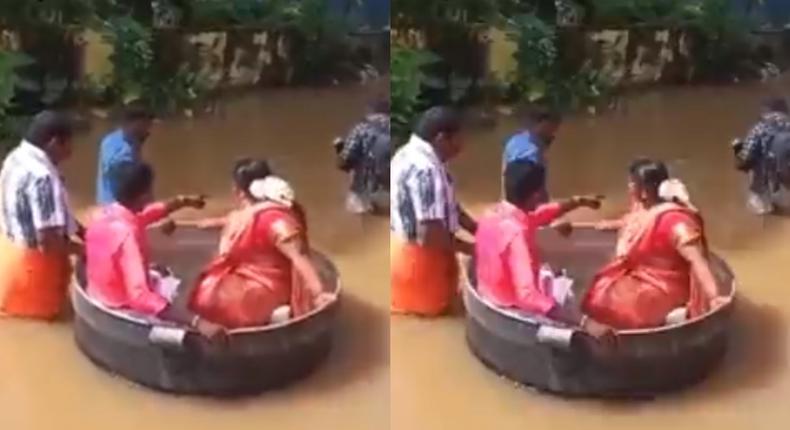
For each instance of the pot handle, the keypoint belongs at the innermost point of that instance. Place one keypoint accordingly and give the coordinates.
(167, 337)
(558, 337)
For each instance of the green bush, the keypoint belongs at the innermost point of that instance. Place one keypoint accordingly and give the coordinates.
(137, 76)
(406, 84)
(322, 40)
(723, 34)
(9, 79)
(540, 77)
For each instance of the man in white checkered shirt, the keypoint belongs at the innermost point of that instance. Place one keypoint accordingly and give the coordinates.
(425, 217)
(37, 223)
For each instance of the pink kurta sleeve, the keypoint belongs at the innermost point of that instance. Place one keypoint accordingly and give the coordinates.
(152, 213)
(528, 294)
(546, 214)
(142, 298)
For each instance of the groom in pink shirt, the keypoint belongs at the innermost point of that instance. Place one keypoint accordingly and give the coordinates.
(118, 264)
(506, 254)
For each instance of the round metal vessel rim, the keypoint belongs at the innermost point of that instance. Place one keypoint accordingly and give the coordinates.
(336, 288)
(731, 293)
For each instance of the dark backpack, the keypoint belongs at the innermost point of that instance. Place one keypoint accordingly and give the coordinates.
(778, 154)
(380, 153)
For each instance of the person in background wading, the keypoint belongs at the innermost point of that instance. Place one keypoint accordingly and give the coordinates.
(366, 153)
(123, 145)
(532, 143)
(764, 155)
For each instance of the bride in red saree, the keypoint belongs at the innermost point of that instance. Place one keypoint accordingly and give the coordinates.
(661, 262)
(263, 262)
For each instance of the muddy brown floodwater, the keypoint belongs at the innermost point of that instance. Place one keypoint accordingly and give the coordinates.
(47, 384)
(437, 384)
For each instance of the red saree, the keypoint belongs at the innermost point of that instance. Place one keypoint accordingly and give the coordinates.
(250, 278)
(648, 278)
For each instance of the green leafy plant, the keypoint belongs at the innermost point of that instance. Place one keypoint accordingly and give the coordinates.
(9, 80)
(723, 40)
(540, 77)
(132, 56)
(450, 28)
(137, 75)
(9, 62)
(407, 78)
(536, 55)
(322, 40)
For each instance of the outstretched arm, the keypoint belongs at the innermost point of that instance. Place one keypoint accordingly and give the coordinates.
(549, 212)
(185, 201)
(603, 225)
(206, 223)
(158, 211)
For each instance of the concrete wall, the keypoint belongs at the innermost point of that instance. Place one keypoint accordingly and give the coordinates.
(628, 57)
(235, 58)
(225, 59)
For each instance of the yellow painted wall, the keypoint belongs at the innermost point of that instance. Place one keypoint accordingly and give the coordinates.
(97, 53)
(500, 60)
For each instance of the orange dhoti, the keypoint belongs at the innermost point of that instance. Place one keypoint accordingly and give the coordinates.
(423, 280)
(33, 284)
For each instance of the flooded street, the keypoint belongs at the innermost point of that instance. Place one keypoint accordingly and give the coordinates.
(437, 384)
(46, 383)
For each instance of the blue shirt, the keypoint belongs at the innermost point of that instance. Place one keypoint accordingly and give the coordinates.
(522, 146)
(114, 150)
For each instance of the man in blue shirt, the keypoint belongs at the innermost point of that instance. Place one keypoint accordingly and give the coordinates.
(532, 143)
(121, 146)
